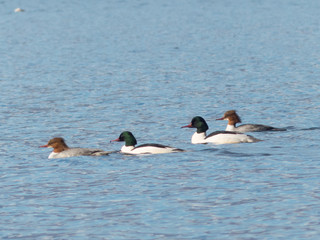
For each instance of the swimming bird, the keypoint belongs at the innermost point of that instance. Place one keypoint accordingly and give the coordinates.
(61, 150)
(149, 148)
(218, 137)
(19, 10)
(233, 118)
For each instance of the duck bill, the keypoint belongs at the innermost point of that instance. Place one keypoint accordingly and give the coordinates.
(187, 126)
(116, 140)
(220, 118)
(44, 146)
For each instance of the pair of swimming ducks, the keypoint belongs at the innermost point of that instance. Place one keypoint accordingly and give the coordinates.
(232, 134)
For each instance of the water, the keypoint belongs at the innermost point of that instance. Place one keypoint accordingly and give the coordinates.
(89, 70)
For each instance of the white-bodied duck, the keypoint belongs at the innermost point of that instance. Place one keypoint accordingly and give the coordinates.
(149, 148)
(218, 137)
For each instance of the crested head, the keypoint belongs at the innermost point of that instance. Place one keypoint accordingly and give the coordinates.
(232, 116)
(58, 144)
(128, 138)
(56, 141)
(200, 124)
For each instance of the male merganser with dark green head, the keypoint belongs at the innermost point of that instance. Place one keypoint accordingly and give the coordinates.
(218, 137)
(149, 148)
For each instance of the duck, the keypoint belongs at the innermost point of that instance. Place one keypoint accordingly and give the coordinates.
(61, 149)
(217, 137)
(149, 148)
(18, 10)
(233, 118)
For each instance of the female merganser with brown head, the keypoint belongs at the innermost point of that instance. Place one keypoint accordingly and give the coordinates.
(149, 148)
(218, 137)
(233, 118)
(61, 150)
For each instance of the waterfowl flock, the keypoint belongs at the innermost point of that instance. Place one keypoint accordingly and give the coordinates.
(233, 134)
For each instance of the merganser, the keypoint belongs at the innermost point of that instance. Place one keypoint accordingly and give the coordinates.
(233, 118)
(61, 150)
(150, 148)
(218, 137)
(19, 10)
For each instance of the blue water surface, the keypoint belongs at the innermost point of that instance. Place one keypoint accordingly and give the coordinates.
(88, 70)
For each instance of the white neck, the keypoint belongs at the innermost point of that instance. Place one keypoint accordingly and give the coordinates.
(230, 127)
(127, 149)
(198, 138)
(53, 155)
